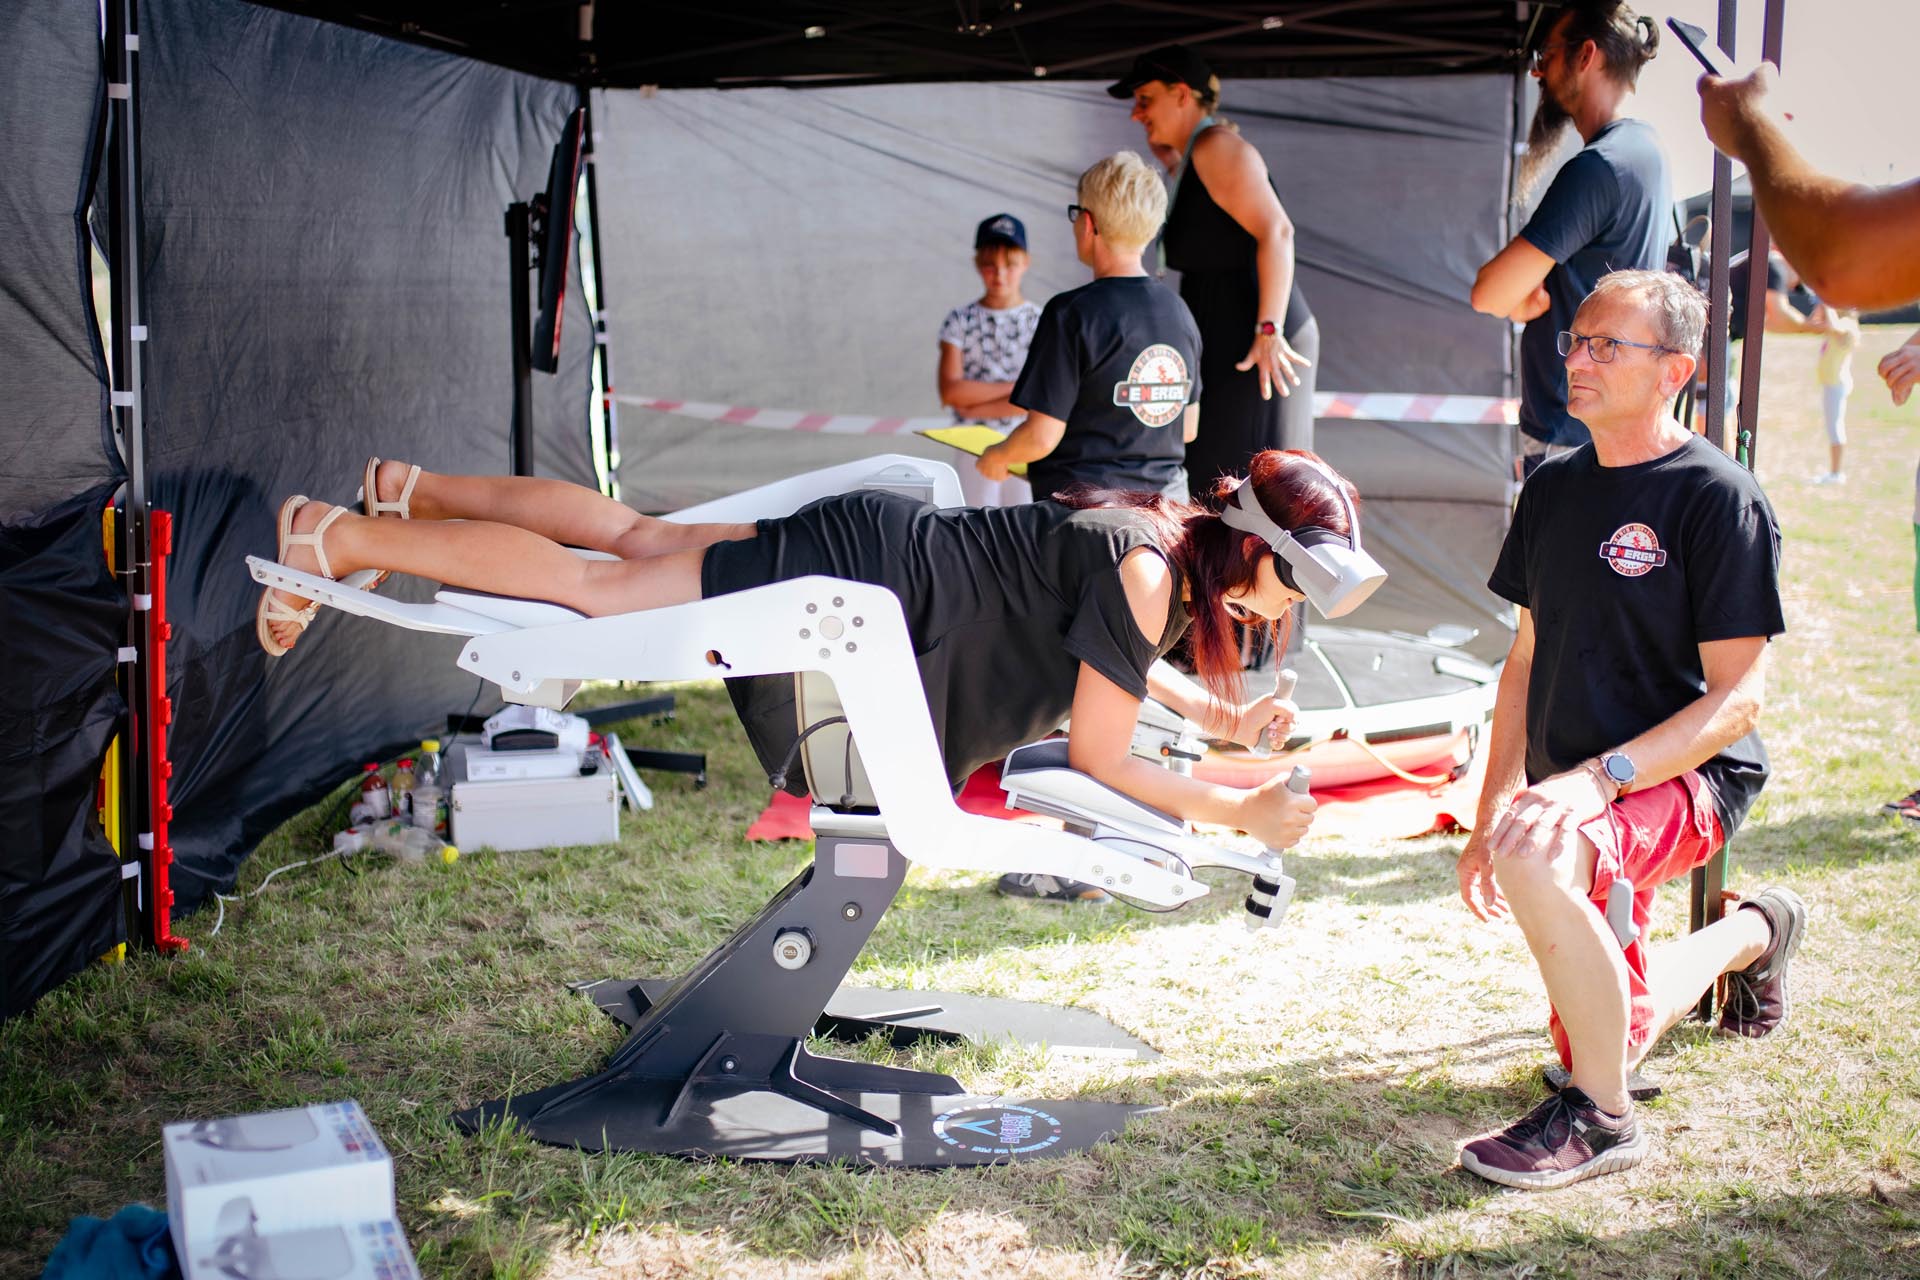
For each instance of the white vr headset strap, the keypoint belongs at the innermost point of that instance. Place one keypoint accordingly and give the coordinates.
(1318, 581)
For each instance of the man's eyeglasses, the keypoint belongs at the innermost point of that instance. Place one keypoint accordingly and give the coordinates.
(1074, 211)
(1538, 59)
(1602, 348)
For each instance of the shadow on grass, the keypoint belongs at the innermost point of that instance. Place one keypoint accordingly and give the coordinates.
(1826, 840)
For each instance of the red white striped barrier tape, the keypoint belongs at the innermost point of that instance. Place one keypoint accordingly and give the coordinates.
(1376, 406)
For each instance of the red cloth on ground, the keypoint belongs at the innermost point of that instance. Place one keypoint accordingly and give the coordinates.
(786, 816)
(1387, 809)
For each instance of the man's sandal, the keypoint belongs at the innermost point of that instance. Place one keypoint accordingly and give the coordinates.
(271, 608)
(370, 505)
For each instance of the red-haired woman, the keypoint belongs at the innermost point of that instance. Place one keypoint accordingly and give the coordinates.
(1019, 615)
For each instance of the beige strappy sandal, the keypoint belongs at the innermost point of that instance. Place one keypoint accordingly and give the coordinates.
(370, 504)
(271, 608)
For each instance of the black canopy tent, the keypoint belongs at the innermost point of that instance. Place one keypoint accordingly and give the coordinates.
(319, 278)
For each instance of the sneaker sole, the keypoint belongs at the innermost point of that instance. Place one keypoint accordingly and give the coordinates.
(1613, 1160)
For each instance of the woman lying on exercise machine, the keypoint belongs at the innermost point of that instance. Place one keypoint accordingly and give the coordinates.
(1020, 616)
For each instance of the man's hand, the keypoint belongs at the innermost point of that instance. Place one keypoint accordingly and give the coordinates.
(1275, 361)
(1533, 308)
(1535, 819)
(1254, 719)
(1477, 887)
(993, 462)
(1731, 109)
(1900, 369)
(1275, 816)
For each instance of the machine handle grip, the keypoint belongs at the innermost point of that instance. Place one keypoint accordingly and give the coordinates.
(1282, 688)
(1300, 781)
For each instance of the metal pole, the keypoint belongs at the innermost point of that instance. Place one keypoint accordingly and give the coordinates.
(609, 446)
(1758, 244)
(518, 233)
(126, 393)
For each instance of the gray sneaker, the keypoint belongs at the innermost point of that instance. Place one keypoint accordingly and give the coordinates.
(1033, 884)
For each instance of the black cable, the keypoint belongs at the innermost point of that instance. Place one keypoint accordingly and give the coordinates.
(778, 780)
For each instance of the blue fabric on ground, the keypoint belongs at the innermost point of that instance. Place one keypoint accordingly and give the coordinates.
(134, 1242)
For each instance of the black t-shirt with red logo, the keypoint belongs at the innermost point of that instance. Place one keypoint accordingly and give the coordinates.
(1118, 361)
(1626, 571)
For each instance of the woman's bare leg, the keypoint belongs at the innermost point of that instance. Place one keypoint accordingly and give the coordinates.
(570, 514)
(489, 556)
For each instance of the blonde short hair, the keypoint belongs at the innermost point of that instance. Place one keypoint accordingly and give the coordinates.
(1127, 199)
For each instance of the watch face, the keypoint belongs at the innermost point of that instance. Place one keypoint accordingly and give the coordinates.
(1619, 768)
(1267, 328)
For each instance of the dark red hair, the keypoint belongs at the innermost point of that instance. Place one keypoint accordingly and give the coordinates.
(1213, 558)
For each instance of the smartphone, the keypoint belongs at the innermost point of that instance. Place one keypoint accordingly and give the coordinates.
(1702, 47)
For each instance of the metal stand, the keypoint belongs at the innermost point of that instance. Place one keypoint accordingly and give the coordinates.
(717, 1064)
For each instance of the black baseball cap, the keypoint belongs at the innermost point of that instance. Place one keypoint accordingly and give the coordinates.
(1001, 228)
(1175, 64)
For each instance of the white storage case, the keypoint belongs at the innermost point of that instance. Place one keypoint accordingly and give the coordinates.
(352, 1251)
(531, 813)
(272, 1173)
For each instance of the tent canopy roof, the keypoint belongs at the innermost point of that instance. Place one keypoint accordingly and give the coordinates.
(801, 43)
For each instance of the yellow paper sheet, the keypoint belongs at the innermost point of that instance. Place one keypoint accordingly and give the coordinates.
(972, 438)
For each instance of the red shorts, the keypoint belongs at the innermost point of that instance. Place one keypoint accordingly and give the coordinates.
(1648, 838)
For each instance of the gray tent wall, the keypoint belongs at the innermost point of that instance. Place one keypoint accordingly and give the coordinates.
(326, 278)
(797, 250)
(63, 614)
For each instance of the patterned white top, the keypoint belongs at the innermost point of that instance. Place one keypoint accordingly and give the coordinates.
(993, 345)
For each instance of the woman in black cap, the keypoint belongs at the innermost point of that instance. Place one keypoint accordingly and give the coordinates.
(1232, 242)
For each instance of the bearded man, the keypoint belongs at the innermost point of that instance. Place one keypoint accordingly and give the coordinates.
(1606, 209)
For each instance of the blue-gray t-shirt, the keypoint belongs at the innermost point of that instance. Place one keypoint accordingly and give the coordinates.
(1606, 210)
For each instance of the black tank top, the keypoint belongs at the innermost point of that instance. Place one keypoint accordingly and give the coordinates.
(1216, 258)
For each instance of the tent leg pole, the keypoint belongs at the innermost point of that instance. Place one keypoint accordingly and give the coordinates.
(519, 230)
(607, 448)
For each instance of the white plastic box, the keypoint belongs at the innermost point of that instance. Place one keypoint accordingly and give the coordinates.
(356, 1251)
(531, 813)
(241, 1177)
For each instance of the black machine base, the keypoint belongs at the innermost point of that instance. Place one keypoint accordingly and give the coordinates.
(934, 1130)
(715, 1063)
(854, 1013)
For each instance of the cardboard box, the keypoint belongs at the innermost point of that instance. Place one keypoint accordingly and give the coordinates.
(355, 1251)
(531, 813)
(271, 1173)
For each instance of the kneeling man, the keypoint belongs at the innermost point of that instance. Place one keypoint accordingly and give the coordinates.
(1645, 567)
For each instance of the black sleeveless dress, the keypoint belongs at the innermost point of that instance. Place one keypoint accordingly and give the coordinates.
(1003, 604)
(1219, 282)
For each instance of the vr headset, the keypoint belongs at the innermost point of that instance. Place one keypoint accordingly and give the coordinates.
(1330, 569)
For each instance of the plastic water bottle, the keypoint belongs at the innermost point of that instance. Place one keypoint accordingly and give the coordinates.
(428, 794)
(374, 794)
(402, 789)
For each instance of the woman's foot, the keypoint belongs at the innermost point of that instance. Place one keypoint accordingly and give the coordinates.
(282, 616)
(387, 488)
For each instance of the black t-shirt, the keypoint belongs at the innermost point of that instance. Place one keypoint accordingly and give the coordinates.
(1626, 571)
(1003, 604)
(1118, 361)
(1606, 210)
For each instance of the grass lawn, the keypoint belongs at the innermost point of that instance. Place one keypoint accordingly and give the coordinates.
(1316, 1082)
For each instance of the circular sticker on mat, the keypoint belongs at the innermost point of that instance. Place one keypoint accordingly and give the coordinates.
(1632, 550)
(996, 1129)
(1156, 386)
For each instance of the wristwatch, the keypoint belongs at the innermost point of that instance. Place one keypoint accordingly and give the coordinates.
(1616, 767)
(1266, 328)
